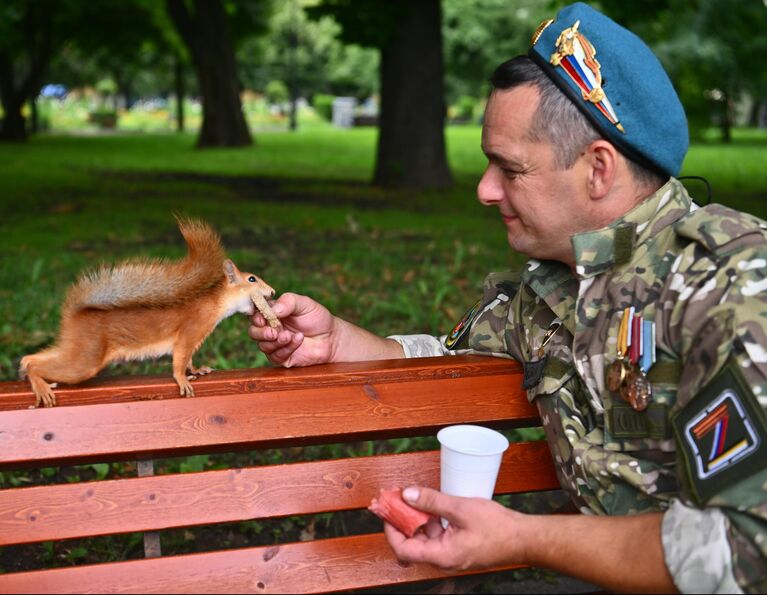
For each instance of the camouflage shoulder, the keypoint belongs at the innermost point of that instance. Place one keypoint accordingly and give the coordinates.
(507, 282)
(721, 230)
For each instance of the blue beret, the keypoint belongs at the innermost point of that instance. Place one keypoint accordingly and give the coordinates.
(616, 80)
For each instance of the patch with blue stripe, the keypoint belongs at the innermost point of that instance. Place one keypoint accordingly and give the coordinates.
(722, 434)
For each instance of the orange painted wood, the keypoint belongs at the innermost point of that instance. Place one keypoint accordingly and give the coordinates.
(162, 502)
(312, 567)
(178, 427)
(17, 395)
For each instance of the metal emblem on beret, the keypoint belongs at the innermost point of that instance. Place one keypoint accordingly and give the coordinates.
(576, 56)
(537, 33)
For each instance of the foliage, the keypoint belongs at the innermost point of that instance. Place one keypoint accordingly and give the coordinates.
(277, 92)
(481, 34)
(323, 105)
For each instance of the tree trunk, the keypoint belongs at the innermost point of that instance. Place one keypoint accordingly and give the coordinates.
(411, 140)
(180, 93)
(206, 34)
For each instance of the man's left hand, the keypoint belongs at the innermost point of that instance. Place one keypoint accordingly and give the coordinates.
(480, 533)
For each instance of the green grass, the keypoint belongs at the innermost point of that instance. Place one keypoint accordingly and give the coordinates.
(294, 208)
(300, 213)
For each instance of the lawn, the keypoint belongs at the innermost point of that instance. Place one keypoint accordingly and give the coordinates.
(294, 208)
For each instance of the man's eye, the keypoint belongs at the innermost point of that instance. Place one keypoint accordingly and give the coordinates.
(510, 173)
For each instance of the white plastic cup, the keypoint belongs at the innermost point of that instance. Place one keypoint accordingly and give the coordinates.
(470, 457)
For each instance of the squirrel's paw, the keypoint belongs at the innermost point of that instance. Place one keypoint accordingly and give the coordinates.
(43, 393)
(185, 388)
(202, 371)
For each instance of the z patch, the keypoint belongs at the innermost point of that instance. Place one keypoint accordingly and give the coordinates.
(723, 435)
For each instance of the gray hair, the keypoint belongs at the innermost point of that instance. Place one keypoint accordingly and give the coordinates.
(557, 121)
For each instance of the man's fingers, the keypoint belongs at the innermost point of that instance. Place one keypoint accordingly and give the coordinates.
(283, 352)
(431, 501)
(292, 304)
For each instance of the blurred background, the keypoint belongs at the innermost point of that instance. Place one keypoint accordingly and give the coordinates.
(334, 144)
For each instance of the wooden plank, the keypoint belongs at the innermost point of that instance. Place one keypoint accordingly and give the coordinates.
(178, 427)
(312, 567)
(17, 395)
(161, 502)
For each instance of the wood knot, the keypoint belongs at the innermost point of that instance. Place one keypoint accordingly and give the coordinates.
(371, 392)
(48, 436)
(217, 419)
(260, 585)
(348, 485)
(271, 553)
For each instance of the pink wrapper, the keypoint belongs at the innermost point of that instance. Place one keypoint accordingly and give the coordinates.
(390, 507)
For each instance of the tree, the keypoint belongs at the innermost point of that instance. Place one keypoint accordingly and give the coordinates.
(411, 143)
(27, 44)
(209, 29)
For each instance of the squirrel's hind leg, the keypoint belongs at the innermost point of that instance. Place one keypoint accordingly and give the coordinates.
(57, 365)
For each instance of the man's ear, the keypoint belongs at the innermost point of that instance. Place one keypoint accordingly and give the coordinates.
(231, 271)
(603, 163)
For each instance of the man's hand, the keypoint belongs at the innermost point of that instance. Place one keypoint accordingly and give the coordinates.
(306, 337)
(620, 553)
(312, 335)
(480, 533)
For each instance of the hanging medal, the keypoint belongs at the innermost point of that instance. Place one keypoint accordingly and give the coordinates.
(636, 389)
(627, 375)
(618, 370)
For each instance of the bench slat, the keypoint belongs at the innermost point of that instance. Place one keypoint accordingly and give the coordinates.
(18, 395)
(317, 566)
(179, 427)
(162, 502)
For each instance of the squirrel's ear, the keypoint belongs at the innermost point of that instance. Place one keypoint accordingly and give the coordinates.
(231, 271)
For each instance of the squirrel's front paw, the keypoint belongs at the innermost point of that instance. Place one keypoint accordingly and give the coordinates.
(185, 388)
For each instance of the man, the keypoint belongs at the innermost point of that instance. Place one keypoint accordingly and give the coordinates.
(663, 446)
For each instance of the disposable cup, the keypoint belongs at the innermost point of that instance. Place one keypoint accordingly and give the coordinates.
(470, 457)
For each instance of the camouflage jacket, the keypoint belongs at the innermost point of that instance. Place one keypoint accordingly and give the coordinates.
(699, 451)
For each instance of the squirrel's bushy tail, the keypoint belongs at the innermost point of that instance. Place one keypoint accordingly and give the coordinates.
(154, 282)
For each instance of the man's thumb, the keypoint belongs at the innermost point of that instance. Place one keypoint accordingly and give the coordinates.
(428, 500)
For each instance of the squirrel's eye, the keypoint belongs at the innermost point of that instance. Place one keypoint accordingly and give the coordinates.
(252, 279)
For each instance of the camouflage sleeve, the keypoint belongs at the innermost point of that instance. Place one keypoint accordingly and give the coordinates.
(421, 345)
(716, 320)
(697, 551)
(481, 331)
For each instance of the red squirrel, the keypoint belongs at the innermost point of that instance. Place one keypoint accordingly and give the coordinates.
(145, 308)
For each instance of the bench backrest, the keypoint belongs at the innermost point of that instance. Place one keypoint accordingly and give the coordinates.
(143, 418)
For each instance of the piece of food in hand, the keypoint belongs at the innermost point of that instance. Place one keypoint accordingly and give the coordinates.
(259, 301)
(390, 507)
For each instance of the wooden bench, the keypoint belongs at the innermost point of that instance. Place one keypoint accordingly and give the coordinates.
(142, 418)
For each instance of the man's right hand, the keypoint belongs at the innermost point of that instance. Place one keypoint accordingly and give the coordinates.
(306, 338)
(312, 335)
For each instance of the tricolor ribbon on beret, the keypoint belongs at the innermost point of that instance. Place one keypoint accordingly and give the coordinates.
(576, 55)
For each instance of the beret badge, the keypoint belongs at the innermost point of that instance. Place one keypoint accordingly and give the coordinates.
(576, 55)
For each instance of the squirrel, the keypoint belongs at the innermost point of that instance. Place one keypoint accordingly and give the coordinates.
(145, 308)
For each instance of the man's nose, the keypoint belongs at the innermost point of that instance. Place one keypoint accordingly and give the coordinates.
(490, 189)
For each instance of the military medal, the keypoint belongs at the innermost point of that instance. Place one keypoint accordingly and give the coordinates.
(627, 375)
(637, 389)
(617, 371)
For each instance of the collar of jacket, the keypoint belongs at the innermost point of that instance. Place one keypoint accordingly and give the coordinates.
(599, 251)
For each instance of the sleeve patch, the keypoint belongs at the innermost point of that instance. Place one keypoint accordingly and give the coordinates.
(722, 435)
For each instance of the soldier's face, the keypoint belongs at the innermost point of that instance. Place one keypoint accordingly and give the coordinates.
(541, 204)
